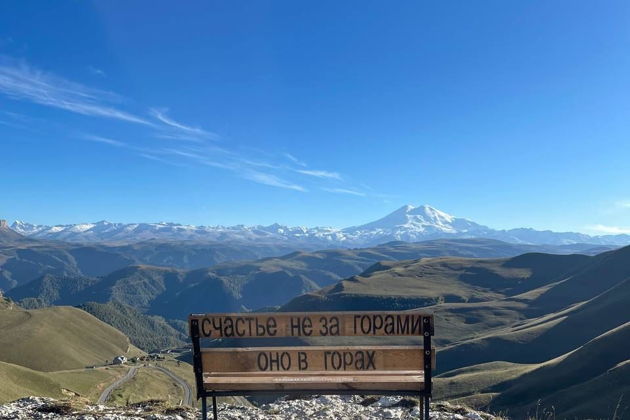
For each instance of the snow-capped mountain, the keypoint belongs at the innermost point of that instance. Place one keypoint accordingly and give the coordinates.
(408, 223)
(105, 231)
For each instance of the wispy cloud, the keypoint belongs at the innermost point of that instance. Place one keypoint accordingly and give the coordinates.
(22, 82)
(625, 204)
(180, 130)
(97, 71)
(294, 159)
(345, 191)
(185, 153)
(319, 173)
(105, 140)
(159, 159)
(272, 180)
(609, 230)
(243, 167)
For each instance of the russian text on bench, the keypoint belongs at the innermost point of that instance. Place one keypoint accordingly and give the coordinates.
(332, 369)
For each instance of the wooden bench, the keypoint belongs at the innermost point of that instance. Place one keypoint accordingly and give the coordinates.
(386, 369)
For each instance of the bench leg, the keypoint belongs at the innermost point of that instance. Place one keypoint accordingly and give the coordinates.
(214, 407)
(427, 399)
(204, 409)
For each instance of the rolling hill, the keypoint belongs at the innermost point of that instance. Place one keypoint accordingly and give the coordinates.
(58, 338)
(513, 331)
(546, 336)
(50, 352)
(588, 382)
(428, 281)
(19, 381)
(570, 383)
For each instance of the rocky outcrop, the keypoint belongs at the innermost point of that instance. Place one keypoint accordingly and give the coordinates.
(315, 408)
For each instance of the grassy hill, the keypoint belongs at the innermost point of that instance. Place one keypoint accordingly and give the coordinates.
(576, 377)
(147, 384)
(44, 352)
(511, 331)
(412, 284)
(58, 338)
(588, 382)
(19, 381)
(546, 336)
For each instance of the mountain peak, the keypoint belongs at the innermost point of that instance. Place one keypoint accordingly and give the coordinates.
(7, 234)
(430, 213)
(410, 214)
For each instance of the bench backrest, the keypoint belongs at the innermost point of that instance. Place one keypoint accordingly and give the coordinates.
(368, 367)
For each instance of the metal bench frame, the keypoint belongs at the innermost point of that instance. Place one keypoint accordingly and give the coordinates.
(424, 394)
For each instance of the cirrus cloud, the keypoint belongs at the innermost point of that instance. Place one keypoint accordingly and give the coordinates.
(319, 173)
(22, 82)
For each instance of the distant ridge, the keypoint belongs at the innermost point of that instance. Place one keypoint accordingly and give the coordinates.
(7, 234)
(408, 223)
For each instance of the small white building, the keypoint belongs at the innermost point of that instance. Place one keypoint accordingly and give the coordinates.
(119, 360)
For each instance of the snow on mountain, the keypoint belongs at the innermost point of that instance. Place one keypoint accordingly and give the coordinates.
(408, 223)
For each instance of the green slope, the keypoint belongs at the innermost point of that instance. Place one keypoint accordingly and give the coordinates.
(19, 381)
(546, 336)
(411, 284)
(573, 383)
(58, 338)
(512, 331)
(485, 378)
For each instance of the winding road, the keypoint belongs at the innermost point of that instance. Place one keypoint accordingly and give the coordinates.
(188, 393)
(187, 400)
(108, 391)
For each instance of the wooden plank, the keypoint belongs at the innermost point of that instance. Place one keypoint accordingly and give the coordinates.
(313, 324)
(313, 373)
(313, 358)
(284, 382)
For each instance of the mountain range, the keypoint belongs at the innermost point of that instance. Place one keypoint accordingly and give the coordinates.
(173, 292)
(408, 223)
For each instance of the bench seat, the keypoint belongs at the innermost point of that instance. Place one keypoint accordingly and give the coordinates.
(287, 381)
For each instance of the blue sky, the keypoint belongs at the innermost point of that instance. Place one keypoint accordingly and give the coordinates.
(509, 113)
